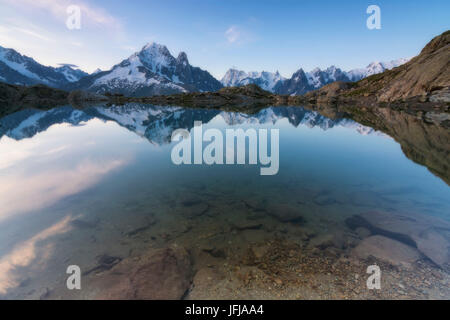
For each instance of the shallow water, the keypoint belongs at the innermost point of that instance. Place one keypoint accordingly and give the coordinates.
(76, 185)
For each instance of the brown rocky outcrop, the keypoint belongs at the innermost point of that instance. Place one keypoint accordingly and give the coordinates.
(425, 78)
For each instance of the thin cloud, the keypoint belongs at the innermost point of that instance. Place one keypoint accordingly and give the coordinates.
(129, 48)
(68, 65)
(27, 252)
(238, 35)
(233, 34)
(76, 44)
(32, 33)
(58, 8)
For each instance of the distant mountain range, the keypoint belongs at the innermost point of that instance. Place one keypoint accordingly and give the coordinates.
(153, 71)
(266, 80)
(156, 124)
(302, 82)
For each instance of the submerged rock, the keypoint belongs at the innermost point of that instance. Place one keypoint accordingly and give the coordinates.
(195, 209)
(388, 250)
(247, 225)
(256, 205)
(191, 201)
(286, 213)
(147, 224)
(431, 236)
(363, 232)
(104, 262)
(84, 224)
(324, 200)
(260, 251)
(159, 274)
(213, 251)
(336, 240)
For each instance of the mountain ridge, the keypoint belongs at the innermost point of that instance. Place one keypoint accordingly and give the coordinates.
(16, 68)
(301, 81)
(154, 71)
(151, 71)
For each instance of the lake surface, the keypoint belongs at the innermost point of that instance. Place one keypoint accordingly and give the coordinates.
(77, 186)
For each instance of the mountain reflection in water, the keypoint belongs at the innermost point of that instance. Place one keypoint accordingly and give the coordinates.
(96, 188)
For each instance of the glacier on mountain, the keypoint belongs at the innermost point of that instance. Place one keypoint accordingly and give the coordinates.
(153, 70)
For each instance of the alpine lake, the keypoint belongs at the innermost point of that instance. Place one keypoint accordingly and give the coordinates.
(97, 188)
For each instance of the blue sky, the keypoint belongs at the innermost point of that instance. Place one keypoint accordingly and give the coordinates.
(251, 35)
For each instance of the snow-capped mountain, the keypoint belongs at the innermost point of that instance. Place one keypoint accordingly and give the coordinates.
(151, 71)
(266, 80)
(71, 74)
(19, 69)
(375, 68)
(301, 81)
(318, 78)
(98, 70)
(298, 84)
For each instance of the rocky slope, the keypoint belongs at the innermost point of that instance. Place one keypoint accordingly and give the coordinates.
(14, 98)
(425, 78)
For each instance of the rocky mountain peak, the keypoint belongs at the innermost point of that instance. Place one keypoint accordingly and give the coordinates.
(151, 71)
(299, 74)
(183, 59)
(155, 48)
(237, 78)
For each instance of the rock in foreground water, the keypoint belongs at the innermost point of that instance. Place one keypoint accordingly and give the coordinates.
(391, 251)
(431, 236)
(160, 274)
